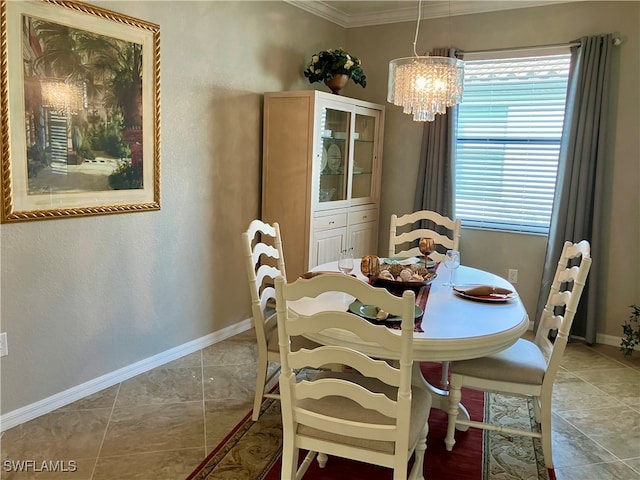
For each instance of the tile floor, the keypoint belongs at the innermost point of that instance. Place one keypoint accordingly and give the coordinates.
(161, 424)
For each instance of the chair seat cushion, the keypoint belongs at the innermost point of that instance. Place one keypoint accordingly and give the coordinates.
(350, 410)
(523, 362)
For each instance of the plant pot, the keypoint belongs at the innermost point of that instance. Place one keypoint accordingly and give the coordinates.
(337, 82)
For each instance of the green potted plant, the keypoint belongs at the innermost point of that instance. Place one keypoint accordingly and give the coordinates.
(335, 67)
(631, 330)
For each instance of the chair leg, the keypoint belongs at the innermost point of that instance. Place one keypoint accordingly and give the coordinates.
(536, 409)
(400, 471)
(322, 459)
(417, 472)
(444, 376)
(545, 430)
(304, 466)
(289, 460)
(455, 394)
(261, 380)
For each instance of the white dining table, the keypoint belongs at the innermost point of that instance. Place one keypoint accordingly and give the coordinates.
(454, 328)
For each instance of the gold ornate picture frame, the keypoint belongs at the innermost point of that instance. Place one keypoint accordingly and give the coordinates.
(79, 111)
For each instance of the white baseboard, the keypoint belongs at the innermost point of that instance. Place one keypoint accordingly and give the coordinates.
(46, 405)
(608, 339)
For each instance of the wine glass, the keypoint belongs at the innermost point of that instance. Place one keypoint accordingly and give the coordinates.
(427, 245)
(451, 261)
(345, 263)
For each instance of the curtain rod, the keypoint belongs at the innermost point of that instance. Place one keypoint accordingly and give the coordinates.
(617, 40)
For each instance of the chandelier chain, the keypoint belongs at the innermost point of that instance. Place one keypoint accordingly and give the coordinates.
(425, 85)
(415, 38)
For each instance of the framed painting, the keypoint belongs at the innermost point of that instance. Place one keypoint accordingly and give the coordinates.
(80, 111)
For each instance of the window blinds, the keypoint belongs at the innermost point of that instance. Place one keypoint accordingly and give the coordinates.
(508, 141)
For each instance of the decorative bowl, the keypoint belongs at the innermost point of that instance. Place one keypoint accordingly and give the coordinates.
(397, 287)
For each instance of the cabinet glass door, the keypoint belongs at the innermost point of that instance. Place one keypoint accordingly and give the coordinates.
(335, 128)
(364, 151)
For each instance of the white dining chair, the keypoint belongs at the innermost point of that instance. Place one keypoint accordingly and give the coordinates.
(264, 261)
(528, 368)
(403, 233)
(368, 411)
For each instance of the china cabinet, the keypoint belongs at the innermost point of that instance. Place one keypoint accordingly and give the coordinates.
(322, 157)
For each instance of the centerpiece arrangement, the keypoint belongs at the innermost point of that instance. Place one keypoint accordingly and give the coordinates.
(396, 276)
(335, 67)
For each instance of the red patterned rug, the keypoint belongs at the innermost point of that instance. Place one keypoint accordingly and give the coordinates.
(252, 450)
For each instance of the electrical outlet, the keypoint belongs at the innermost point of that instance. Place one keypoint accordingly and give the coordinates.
(513, 275)
(4, 349)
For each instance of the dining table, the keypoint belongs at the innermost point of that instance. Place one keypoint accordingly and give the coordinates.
(454, 326)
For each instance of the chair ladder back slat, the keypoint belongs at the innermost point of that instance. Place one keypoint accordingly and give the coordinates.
(360, 362)
(266, 250)
(336, 387)
(440, 239)
(569, 275)
(560, 299)
(266, 272)
(398, 240)
(268, 293)
(344, 283)
(258, 226)
(549, 322)
(344, 320)
(421, 215)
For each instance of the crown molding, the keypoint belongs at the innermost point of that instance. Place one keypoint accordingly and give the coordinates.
(320, 9)
(406, 14)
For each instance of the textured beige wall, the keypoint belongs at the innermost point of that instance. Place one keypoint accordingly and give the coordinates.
(84, 297)
(620, 274)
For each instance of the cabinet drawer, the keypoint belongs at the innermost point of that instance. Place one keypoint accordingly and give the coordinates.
(330, 221)
(363, 216)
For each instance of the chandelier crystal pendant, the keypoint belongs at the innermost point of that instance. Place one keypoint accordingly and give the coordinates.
(425, 85)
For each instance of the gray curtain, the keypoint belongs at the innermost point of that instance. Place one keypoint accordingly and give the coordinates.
(577, 208)
(435, 182)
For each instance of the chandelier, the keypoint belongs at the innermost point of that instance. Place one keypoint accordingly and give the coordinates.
(425, 85)
(62, 97)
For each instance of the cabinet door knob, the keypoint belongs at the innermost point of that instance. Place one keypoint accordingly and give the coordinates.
(331, 222)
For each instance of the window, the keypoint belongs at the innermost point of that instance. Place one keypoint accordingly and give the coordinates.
(508, 141)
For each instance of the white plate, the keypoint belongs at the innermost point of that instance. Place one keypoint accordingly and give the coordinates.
(493, 298)
(334, 155)
(325, 157)
(369, 312)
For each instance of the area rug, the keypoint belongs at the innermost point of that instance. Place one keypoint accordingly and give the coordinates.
(252, 450)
